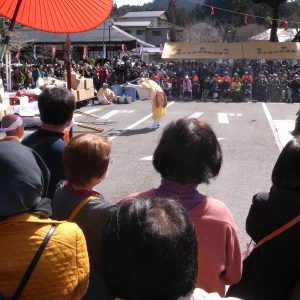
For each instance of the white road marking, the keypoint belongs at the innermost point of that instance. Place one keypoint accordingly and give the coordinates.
(222, 118)
(196, 115)
(231, 115)
(90, 111)
(136, 123)
(284, 128)
(131, 111)
(147, 158)
(272, 125)
(110, 114)
(221, 139)
(239, 115)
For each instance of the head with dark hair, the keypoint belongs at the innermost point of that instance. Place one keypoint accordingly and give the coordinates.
(150, 250)
(56, 106)
(86, 156)
(286, 172)
(188, 152)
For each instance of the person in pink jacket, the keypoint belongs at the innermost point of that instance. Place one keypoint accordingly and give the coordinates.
(187, 155)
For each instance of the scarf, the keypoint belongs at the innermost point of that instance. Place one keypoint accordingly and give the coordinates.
(186, 194)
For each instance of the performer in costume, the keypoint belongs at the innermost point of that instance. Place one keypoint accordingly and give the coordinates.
(149, 89)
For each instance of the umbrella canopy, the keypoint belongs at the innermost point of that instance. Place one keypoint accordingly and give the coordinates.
(59, 16)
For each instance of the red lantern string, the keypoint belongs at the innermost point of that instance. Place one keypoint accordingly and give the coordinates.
(212, 11)
(286, 25)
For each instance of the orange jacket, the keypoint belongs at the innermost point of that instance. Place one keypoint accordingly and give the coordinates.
(63, 269)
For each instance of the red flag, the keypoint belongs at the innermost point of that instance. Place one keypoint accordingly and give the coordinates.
(85, 52)
(286, 25)
(53, 51)
(172, 3)
(212, 11)
(245, 19)
(18, 53)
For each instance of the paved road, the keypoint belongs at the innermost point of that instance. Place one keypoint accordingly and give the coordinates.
(251, 136)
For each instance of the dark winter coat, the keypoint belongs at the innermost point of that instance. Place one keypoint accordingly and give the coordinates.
(271, 271)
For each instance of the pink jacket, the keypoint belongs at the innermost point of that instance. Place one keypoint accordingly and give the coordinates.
(187, 85)
(219, 254)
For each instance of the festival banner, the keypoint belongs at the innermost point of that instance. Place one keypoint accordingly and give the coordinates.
(141, 49)
(85, 52)
(18, 53)
(34, 52)
(104, 51)
(213, 51)
(218, 51)
(53, 52)
(271, 51)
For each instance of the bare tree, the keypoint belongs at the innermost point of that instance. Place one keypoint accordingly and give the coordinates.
(244, 33)
(201, 32)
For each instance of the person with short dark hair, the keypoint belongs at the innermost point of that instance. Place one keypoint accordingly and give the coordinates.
(56, 106)
(86, 161)
(272, 269)
(150, 252)
(187, 155)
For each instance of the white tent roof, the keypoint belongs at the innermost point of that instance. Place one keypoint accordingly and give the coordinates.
(283, 36)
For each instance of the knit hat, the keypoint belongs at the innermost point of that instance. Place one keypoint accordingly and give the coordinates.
(24, 180)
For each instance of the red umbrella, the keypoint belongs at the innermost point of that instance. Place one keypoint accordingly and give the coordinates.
(58, 16)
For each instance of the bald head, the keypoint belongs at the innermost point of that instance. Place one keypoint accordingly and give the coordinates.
(12, 125)
(8, 120)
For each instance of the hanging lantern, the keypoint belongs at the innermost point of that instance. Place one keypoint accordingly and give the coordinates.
(212, 11)
(245, 19)
(286, 25)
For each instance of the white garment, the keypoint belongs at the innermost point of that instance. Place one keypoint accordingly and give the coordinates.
(199, 294)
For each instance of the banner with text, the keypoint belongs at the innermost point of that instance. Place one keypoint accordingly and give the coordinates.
(202, 51)
(272, 51)
(216, 51)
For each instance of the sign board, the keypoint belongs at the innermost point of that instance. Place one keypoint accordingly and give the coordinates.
(223, 51)
(213, 51)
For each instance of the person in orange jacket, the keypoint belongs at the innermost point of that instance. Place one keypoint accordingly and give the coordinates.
(62, 271)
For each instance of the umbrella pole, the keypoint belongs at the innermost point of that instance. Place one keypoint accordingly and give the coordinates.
(68, 69)
(10, 29)
(68, 61)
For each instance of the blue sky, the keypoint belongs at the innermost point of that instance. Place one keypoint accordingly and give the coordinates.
(130, 2)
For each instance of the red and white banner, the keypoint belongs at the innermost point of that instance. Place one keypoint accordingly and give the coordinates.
(85, 52)
(53, 51)
(18, 53)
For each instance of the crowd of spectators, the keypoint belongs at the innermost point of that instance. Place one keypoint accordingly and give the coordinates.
(236, 80)
(168, 243)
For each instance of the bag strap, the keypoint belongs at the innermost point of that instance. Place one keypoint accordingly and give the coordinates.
(278, 231)
(33, 263)
(79, 206)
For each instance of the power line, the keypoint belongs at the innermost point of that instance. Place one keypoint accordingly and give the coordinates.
(240, 13)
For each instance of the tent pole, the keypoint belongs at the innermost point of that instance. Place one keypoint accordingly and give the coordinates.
(10, 29)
